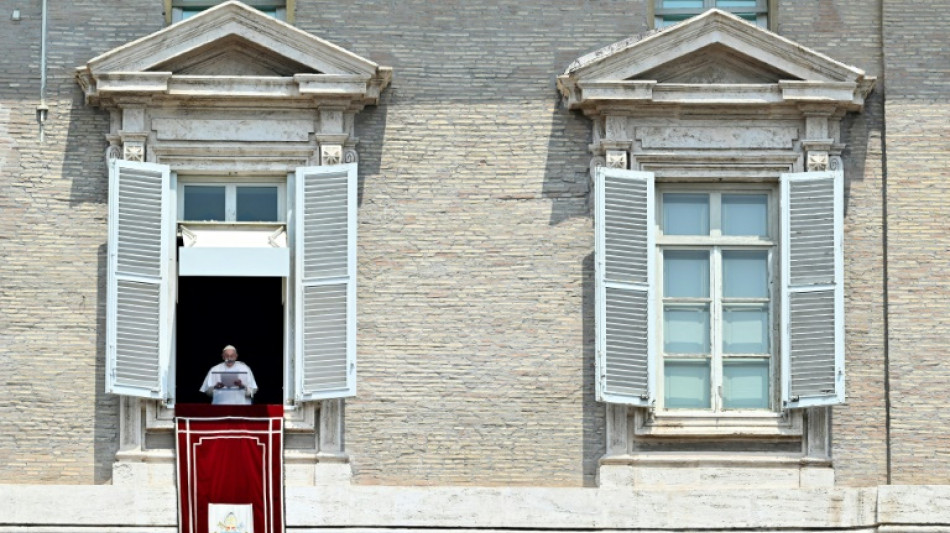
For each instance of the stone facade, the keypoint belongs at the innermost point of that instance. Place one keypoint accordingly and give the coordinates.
(475, 404)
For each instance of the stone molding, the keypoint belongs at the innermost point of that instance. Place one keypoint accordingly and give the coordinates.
(231, 92)
(148, 66)
(714, 99)
(880, 509)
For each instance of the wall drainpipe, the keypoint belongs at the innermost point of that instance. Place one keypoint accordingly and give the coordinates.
(42, 110)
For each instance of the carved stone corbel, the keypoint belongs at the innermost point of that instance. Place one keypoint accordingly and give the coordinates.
(617, 159)
(817, 161)
(133, 145)
(133, 151)
(331, 154)
(817, 153)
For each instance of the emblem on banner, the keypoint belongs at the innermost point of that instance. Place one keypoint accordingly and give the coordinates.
(230, 518)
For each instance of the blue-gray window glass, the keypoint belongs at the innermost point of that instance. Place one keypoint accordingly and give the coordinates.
(685, 214)
(257, 204)
(745, 214)
(745, 274)
(745, 384)
(686, 384)
(204, 202)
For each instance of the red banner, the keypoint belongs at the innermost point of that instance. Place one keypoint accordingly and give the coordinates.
(230, 455)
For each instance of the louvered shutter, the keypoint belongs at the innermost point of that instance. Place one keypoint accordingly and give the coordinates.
(325, 270)
(813, 289)
(138, 345)
(624, 249)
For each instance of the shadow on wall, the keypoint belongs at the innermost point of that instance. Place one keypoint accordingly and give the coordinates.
(106, 418)
(594, 422)
(84, 165)
(567, 180)
(857, 130)
(370, 128)
(567, 184)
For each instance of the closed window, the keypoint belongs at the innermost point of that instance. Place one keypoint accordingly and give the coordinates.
(669, 12)
(183, 9)
(717, 297)
(716, 250)
(230, 202)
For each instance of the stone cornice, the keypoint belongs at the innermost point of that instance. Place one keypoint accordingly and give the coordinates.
(147, 67)
(608, 77)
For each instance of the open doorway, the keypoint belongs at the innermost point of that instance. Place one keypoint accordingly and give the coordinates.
(216, 311)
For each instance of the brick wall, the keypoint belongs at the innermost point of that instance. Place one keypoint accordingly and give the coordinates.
(59, 425)
(475, 275)
(918, 182)
(476, 315)
(850, 32)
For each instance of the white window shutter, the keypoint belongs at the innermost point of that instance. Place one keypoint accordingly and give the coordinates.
(812, 289)
(138, 310)
(325, 282)
(624, 271)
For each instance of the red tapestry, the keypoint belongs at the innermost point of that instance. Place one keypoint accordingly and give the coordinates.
(230, 454)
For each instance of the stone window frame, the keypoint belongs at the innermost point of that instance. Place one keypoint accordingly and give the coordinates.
(169, 108)
(708, 69)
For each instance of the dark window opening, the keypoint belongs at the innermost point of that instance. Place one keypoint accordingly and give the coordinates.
(213, 312)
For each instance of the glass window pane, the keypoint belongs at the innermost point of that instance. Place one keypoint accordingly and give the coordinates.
(727, 4)
(189, 12)
(257, 204)
(686, 384)
(686, 329)
(685, 214)
(745, 384)
(685, 274)
(745, 274)
(669, 20)
(745, 214)
(745, 330)
(683, 4)
(203, 202)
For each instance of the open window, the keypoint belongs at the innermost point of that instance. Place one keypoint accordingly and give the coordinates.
(233, 172)
(232, 282)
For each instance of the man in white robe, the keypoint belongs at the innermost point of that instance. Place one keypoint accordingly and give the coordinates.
(230, 382)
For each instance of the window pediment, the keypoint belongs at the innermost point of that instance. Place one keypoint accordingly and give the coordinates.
(714, 58)
(233, 56)
(232, 50)
(714, 64)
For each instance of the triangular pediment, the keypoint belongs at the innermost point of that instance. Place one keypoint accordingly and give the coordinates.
(233, 50)
(737, 48)
(226, 26)
(714, 57)
(233, 56)
(714, 64)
